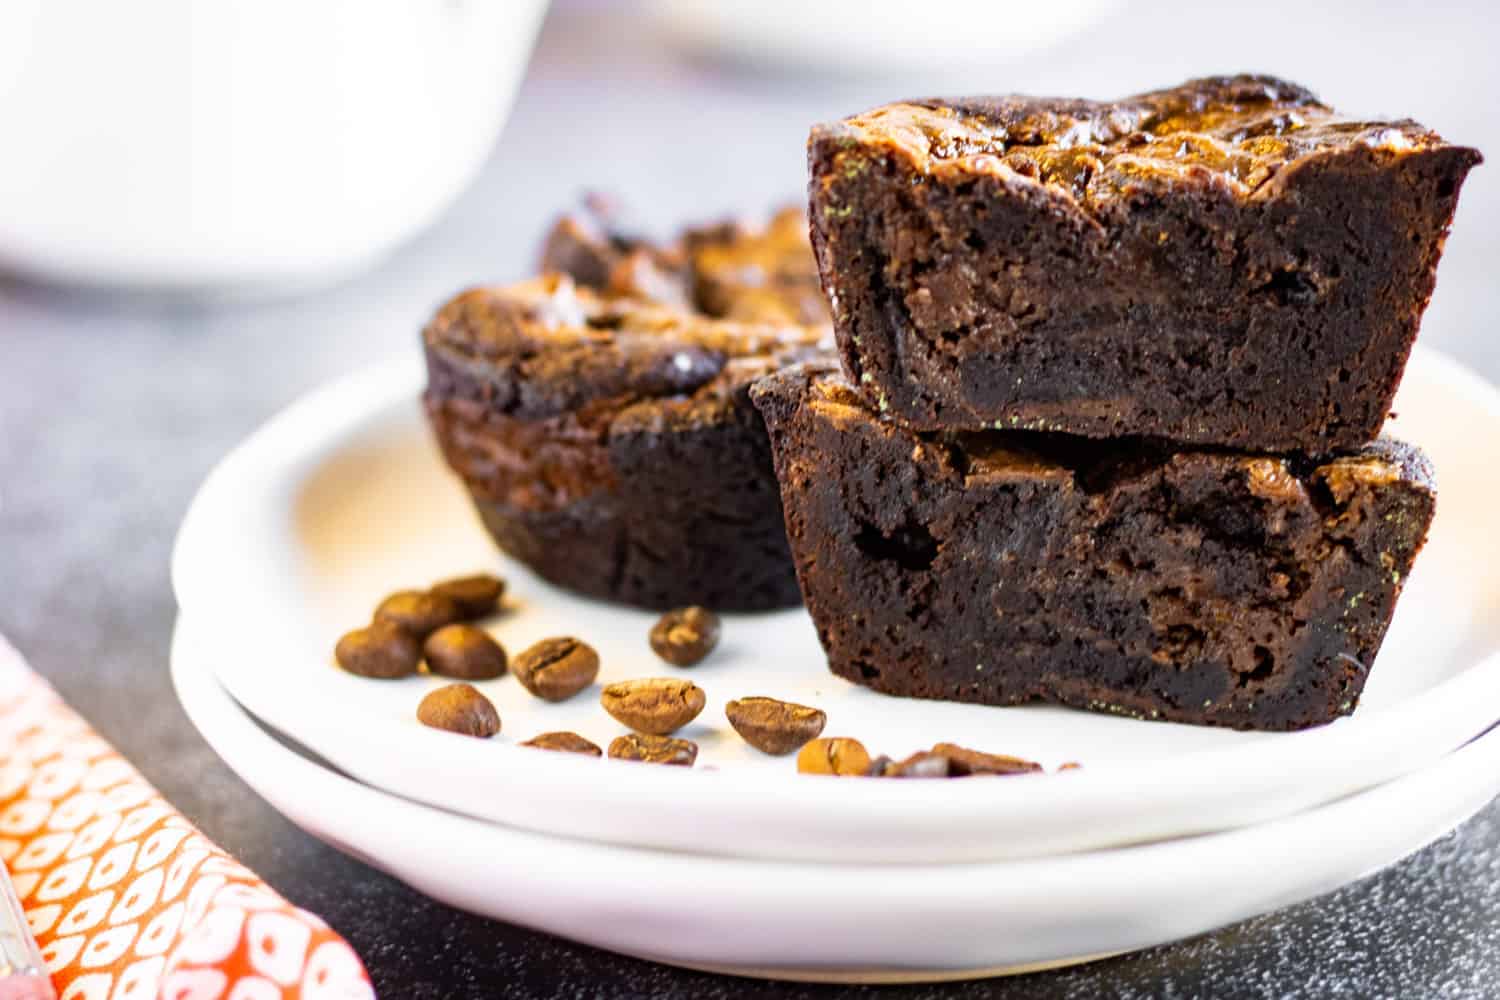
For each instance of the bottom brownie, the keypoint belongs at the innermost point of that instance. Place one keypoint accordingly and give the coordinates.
(1210, 587)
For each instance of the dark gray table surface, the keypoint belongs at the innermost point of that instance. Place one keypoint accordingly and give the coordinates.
(112, 409)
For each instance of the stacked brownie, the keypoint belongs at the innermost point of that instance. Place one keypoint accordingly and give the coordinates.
(1104, 431)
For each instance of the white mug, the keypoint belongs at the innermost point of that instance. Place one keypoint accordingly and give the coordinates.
(192, 144)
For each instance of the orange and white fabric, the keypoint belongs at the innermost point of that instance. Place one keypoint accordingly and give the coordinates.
(127, 900)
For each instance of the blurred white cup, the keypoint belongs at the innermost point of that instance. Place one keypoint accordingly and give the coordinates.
(213, 144)
(877, 38)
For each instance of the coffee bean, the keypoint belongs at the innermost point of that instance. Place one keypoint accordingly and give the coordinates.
(464, 652)
(565, 742)
(774, 727)
(654, 749)
(964, 762)
(838, 755)
(556, 669)
(380, 650)
(476, 596)
(658, 705)
(923, 764)
(459, 708)
(685, 636)
(419, 612)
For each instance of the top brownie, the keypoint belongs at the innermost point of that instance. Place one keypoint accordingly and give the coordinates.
(1228, 262)
(739, 270)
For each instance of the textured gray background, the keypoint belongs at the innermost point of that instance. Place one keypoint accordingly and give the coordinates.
(112, 410)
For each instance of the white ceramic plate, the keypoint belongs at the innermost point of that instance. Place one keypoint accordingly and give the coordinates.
(342, 498)
(734, 915)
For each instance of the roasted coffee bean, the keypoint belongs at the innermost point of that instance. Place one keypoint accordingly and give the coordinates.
(380, 650)
(774, 727)
(459, 708)
(565, 742)
(965, 762)
(658, 705)
(476, 596)
(836, 755)
(418, 611)
(556, 669)
(923, 764)
(654, 749)
(464, 652)
(685, 636)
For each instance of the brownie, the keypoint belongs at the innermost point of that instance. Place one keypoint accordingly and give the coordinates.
(610, 443)
(732, 270)
(1228, 262)
(1127, 576)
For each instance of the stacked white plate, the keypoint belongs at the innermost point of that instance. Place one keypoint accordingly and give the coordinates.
(1167, 830)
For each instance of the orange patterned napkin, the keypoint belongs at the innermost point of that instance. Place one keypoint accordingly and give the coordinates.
(126, 899)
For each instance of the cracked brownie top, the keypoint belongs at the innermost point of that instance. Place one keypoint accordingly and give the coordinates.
(737, 269)
(1242, 128)
(547, 346)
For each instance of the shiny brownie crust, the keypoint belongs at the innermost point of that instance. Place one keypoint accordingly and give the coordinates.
(738, 269)
(1127, 576)
(1228, 262)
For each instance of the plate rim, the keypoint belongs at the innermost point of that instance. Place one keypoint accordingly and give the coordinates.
(1464, 781)
(1277, 777)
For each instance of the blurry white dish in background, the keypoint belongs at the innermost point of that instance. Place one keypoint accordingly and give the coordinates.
(874, 37)
(190, 144)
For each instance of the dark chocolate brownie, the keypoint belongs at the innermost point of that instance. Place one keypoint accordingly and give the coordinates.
(1227, 262)
(610, 444)
(1203, 586)
(732, 270)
